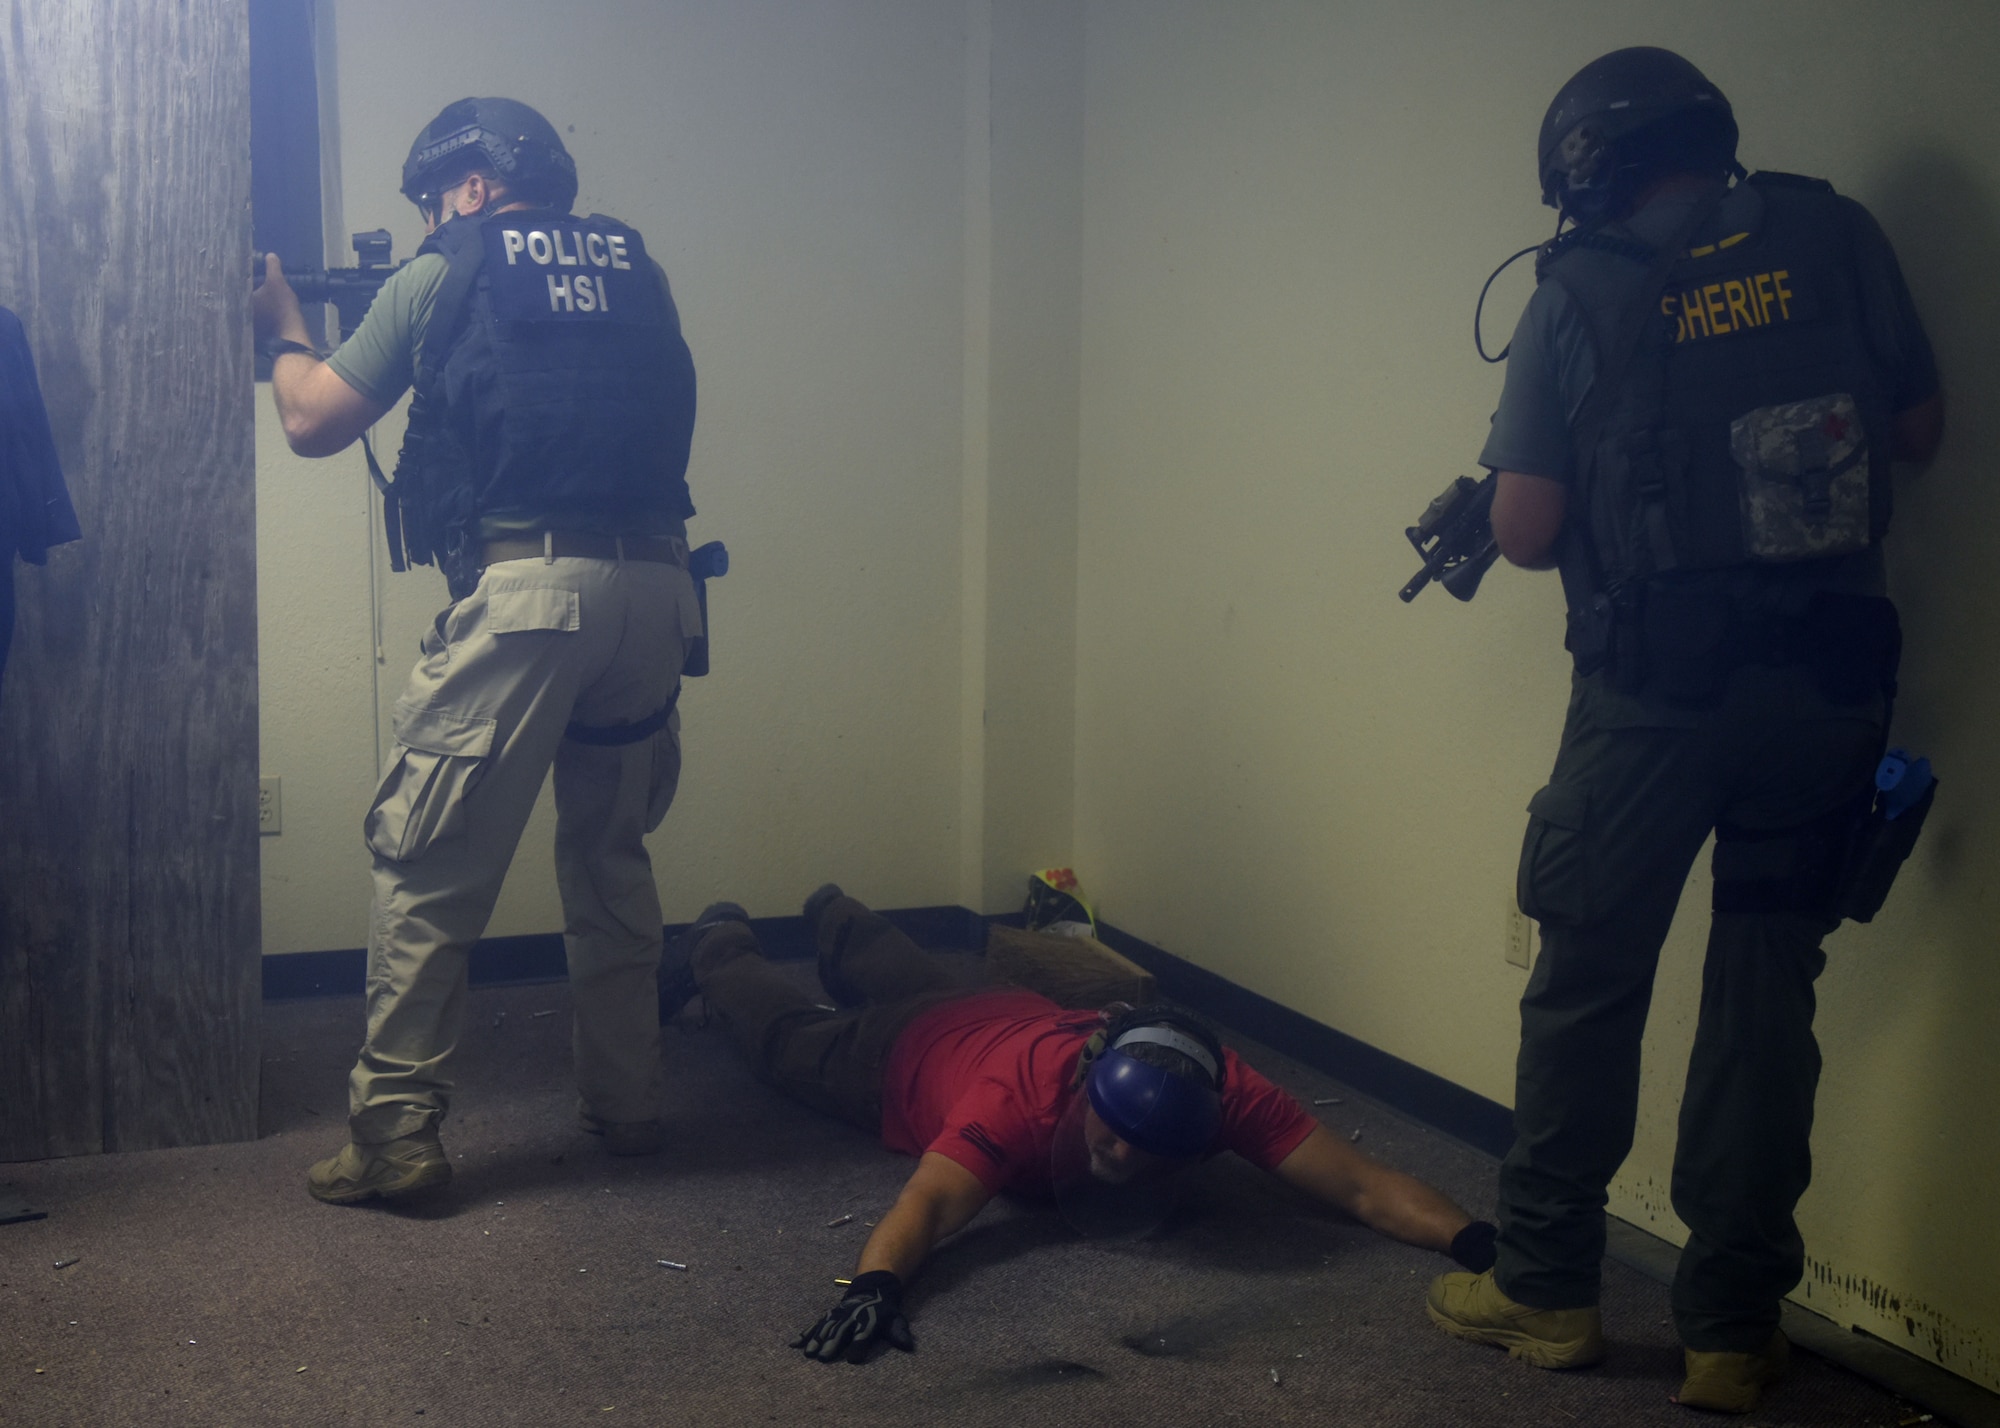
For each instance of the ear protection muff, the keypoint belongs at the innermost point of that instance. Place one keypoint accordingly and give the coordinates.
(1092, 1049)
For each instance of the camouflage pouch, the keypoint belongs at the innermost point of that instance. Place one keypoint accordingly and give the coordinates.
(1804, 468)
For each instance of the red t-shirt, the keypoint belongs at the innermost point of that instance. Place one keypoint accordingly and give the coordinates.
(984, 1079)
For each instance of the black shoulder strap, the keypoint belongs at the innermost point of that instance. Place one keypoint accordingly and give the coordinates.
(464, 249)
(1775, 178)
(1614, 361)
(465, 252)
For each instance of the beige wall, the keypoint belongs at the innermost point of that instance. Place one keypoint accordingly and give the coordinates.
(1286, 775)
(799, 171)
(1069, 372)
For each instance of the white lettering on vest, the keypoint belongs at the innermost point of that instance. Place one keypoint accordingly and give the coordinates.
(618, 258)
(593, 244)
(561, 298)
(512, 243)
(586, 293)
(538, 248)
(567, 260)
(603, 295)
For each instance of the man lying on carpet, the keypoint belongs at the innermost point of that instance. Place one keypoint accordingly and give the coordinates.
(1000, 1089)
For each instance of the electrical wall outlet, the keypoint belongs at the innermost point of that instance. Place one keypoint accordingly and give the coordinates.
(270, 806)
(1520, 944)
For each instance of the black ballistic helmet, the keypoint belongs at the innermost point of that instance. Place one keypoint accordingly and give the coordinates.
(521, 148)
(1624, 119)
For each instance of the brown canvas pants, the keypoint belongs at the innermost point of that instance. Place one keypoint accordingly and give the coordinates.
(828, 1058)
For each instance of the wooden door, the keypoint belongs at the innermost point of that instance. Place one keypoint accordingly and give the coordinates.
(129, 937)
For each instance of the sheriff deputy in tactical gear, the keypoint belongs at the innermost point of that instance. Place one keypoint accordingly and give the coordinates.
(544, 471)
(1701, 407)
(1001, 1090)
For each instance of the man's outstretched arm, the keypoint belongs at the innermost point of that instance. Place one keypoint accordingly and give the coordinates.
(939, 1200)
(1387, 1201)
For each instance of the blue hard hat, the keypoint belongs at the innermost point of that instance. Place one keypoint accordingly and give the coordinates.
(1152, 1108)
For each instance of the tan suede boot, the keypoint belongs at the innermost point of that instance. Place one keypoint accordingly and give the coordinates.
(1733, 1383)
(389, 1170)
(1472, 1306)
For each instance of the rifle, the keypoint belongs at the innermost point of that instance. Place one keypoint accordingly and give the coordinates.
(348, 291)
(1454, 538)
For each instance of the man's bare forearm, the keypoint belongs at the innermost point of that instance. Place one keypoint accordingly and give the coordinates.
(939, 1200)
(1405, 1208)
(1387, 1201)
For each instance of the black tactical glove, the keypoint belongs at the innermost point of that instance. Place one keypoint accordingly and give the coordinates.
(1473, 1246)
(871, 1312)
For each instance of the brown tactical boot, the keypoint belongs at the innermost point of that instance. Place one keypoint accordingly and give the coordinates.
(1471, 1306)
(388, 1170)
(1733, 1383)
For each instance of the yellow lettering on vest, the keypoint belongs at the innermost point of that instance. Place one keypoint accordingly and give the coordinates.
(1692, 315)
(1784, 293)
(511, 243)
(1761, 287)
(1739, 303)
(1718, 317)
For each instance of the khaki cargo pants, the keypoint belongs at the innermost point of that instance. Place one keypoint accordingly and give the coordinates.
(539, 643)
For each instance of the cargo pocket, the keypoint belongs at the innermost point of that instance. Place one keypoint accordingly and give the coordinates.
(421, 800)
(666, 778)
(1555, 883)
(535, 607)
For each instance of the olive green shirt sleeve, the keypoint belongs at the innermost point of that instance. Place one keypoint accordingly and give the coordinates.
(380, 359)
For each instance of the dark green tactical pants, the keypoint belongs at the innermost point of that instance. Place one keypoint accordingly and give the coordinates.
(829, 1059)
(1637, 787)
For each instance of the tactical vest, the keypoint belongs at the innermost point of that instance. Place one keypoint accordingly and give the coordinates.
(552, 381)
(1752, 425)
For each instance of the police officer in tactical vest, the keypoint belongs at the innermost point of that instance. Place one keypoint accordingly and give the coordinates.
(1701, 406)
(544, 470)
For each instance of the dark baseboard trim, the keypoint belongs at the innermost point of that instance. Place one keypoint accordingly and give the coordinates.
(1445, 1105)
(539, 957)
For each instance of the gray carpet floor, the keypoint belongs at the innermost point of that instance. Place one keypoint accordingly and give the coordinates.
(205, 1287)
